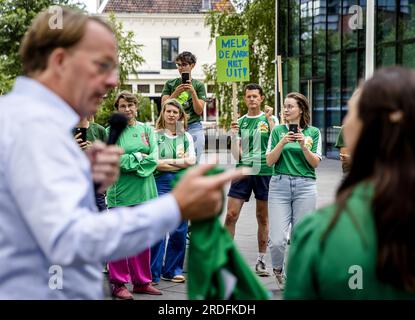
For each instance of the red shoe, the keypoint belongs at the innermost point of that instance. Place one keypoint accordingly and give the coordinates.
(121, 292)
(147, 288)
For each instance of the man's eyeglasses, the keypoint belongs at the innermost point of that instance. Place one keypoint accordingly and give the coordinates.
(179, 65)
(106, 67)
(125, 106)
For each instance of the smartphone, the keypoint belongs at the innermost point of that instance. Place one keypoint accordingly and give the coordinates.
(293, 128)
(75, 131)
(185, 77)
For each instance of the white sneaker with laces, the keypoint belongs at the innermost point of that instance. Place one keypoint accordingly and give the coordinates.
(261, 269)
(279, 279)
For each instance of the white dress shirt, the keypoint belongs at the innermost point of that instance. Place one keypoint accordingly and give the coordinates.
(53, 242)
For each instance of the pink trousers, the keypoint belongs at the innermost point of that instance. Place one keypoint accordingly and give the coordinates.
(134, 269)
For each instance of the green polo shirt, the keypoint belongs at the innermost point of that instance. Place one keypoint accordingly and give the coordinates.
(292, 160)
(254, 132)
(344, 265)
(96, 132)
(185, 98)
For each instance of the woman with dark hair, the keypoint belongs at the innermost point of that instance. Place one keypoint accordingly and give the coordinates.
(176, 152)
(294, 151)
(363, 246)
(135, 185)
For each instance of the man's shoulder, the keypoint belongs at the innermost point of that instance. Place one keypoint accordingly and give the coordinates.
(173, 82)
(197, 82)
(20, 110)
(240, 119)
(96, 126)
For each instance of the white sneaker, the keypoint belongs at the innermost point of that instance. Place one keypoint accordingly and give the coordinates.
(279, 279)
(261, 269)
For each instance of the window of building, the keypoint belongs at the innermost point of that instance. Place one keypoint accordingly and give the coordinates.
(158, 88)
(206, 5)
(169, 52)
(143, 88)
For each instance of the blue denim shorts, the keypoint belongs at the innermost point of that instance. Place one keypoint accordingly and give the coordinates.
(242, 189)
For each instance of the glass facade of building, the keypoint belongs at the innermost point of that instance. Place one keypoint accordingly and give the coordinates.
(323, 45)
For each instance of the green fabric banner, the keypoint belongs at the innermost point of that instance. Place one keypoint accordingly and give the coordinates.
(216, 270)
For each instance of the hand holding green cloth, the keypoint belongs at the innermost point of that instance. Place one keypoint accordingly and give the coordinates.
(216, 270)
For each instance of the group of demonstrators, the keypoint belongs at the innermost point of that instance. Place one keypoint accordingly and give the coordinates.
(283, 158)
(49, 208)
(148, 166)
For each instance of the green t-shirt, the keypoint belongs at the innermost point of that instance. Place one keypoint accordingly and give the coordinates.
(171, 147)
(292, 160)
(185, 98)
(136, 183)
(339, 141)
(254, 132)
(96, 132)
(344, 265)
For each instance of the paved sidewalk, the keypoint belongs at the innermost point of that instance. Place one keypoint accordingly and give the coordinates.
(328, 177)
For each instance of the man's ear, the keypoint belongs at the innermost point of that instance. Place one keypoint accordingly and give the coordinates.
(57, 60)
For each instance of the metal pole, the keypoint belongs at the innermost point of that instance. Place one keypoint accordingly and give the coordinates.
(152, 111)
(370, 38)
(276, 59)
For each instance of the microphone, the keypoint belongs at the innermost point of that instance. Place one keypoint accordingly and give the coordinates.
(117, 123)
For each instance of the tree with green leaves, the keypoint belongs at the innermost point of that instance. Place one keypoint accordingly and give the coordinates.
(130, 60)
(15, 18)
(256, 19)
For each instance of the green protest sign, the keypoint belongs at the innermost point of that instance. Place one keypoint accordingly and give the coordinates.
(232, 58)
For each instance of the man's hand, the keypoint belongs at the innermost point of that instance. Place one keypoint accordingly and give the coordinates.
(234, 128)
(105, 165)
(268, 112)
(189, 88)
(183, 87)
(200, 197)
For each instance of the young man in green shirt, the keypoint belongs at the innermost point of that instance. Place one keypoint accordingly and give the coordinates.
(249, 143)
(192, 96)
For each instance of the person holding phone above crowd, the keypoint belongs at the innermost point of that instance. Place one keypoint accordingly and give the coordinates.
(363, 245)
(191, 93)
(176, 152)
(294, 151)
(135, 185)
